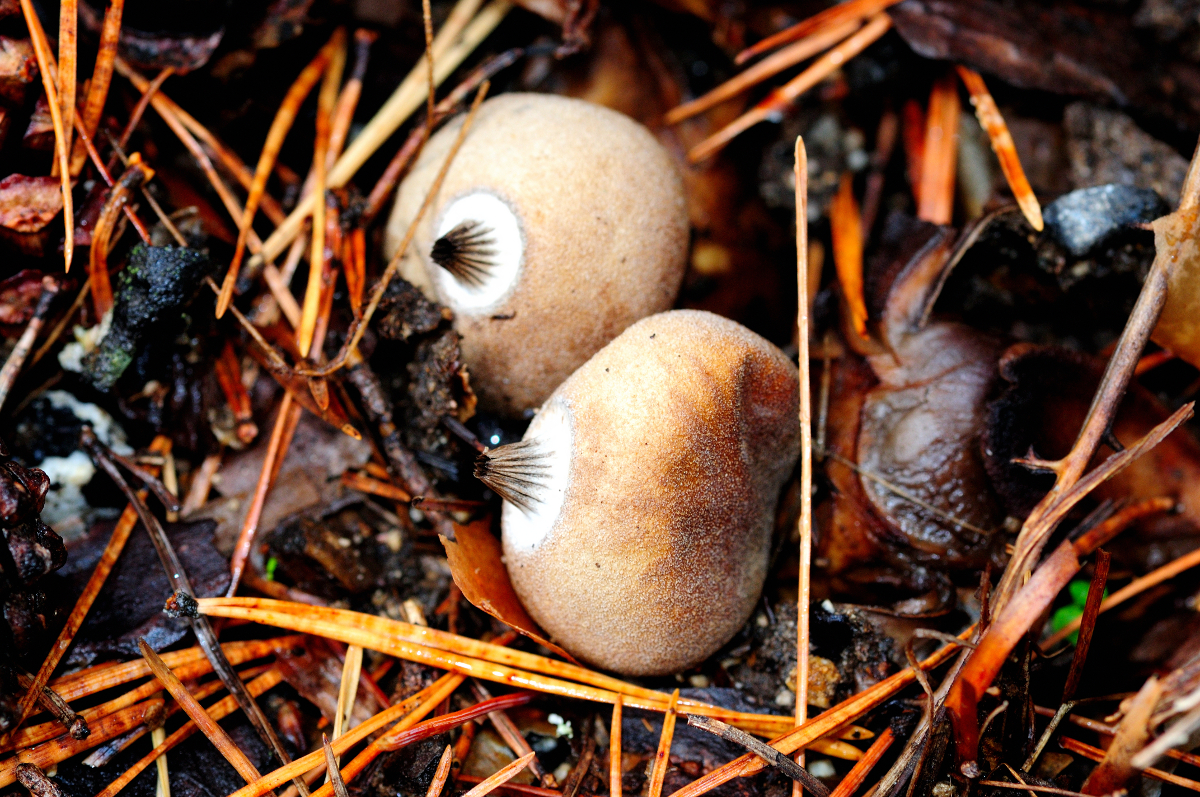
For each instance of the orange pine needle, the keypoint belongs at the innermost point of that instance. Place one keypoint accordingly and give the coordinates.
(278, 131)
(846, 226)
(443, 773)
(217, 711)
(116, 544)
(68, 40)
(804, 591)
(785, 95)
(1096, 754)
(662, 756)
(215, 733)
(858, 773)
(936, 203)
(913, 135)
(97, 93)
(1002, 144)
(351, 93)
(229, 376)
(355, 268)
(41, 49)
(615, 770)
(852, 11)
(488, 785)
(815, 42)
(136, 175)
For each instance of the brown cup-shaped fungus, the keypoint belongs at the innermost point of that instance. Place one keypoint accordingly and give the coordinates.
(640, 503)
(559, 224)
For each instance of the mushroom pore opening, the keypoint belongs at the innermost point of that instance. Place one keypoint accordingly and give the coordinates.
(478, 254)
(549, 437)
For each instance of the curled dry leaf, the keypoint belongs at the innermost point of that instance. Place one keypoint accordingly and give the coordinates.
(27, 204)
(477, 565)
(18, 67)
(19, 295)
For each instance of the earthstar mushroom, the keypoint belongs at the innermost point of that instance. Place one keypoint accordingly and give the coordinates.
(559, 224)
(639, 506)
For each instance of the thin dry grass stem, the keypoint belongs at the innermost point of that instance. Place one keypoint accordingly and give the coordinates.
(779, 99)
(1002, 144)
(217, 711)
(97, 93)
(294, 769)
(347, 691)
(1135, 587)
(280, 126)
(68, 44)
(817, 41)
(1096, 754)
(852, 11)
(662, 756)
(163, 787)
(431, 87)
(215, 733)
(347, 102)
(940, 152)
(845, 225)
(804, 585)
(491, 783)
(16, 359)
(858, 773)
(443, 772)
(202, 481)
(41, 49)
(116, 544)
(245, 540)
(480, 659)
(822, 725)
(331, 767)
(349, 350)
(1091, 610)
(615, 770)
(458, 38)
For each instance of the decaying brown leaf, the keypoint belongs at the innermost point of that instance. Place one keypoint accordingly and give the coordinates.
(27, 204)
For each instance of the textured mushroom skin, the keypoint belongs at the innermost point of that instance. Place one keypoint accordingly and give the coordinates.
(684, 429)
(604, 246)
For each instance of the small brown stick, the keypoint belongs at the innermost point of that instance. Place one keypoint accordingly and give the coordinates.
(511, 735)
(764, 751)
(804, 585)
(615, 770)
(427, 18)
(217, 711)
(443, 772)
(331, 767)
(575, 777)
(215, 733)
(852, 11)
(12, 366)
(1002, 784)
(858, 773)
(458, 37)
(34, 779)
(61, 325)
(57, 707)
(779, 99)
(885, 142)
(846, 227)
(229, 376)
(135, 176)
(819, 40)
(347, 102)
(1091, 610)
(41, 49)
(97, 93)
(116, 544)
(68, 41)
(1108, 730)
(912, 130)
(662, 756)
(940, 152)
(1002, 144)
(284, 117)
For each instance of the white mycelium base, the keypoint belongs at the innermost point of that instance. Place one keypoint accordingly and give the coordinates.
(507, 244)
(525, 529)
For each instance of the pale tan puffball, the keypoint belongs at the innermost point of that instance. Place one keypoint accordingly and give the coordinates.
(559, 224)
(645, 492)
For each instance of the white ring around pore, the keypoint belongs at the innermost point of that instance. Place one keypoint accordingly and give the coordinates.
(526, 529)
(507, 243)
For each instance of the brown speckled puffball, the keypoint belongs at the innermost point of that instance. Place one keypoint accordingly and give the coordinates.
(645, 491)
(559, 224)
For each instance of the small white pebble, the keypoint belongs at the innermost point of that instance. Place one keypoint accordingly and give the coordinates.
(699, 681)
(560, 774)
(761, 621)
(785, 698)
(821, 768)
(827, 605)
